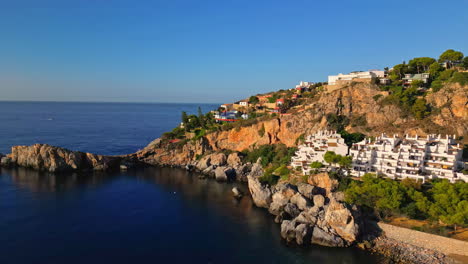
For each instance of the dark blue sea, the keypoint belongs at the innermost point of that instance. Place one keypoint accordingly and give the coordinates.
(151, 215)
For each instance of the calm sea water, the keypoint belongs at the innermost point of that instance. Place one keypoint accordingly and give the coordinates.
(151, 215)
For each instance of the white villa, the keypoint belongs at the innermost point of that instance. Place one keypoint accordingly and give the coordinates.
(314, 148)
(303, 84)
(409, 157)
(332, 79)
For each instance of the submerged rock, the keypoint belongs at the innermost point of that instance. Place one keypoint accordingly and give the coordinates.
(224, 174)
(237, 193)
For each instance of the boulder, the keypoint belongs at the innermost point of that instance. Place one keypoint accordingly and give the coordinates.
(306, 190)
(6, 162)
(324, 238)
(281, 196)
(210, 171)
(276, 208)
(288, 230)
(319, 200)
(303, 234)
(261, 194)
(300, 201)
(338, 196)
(224, 174)
(314, 211)
(306, 218)
(218, 159)
(341, 219)
(242, 171)
(237, 193)
(291, 210)
(323, 180)
(203, 163)
(234, 159)
(257, 169)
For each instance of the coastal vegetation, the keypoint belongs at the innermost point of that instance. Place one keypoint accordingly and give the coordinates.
(273, 158)
(411, 97)
(438, 200)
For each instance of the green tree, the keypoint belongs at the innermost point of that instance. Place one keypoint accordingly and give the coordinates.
(253, 100)
(201, 117)
(437, 85)
(384, 196)
(420, 109)
(450, 55)
(400, 70)
(435, 69)
(465, 62)
(185, 120)
(331, 157)
(417, 83)
(316, 165)
(345, 162)
(421, 64)
(445, 75)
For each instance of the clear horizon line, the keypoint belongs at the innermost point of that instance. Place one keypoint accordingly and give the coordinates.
(105, 102)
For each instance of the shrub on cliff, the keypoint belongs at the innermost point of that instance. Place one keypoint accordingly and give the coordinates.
(460, 77)
(439, 201)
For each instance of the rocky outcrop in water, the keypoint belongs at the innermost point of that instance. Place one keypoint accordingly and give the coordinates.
(44, 157)
(305, 214)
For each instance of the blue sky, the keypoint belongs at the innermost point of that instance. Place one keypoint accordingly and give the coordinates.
(208, 51)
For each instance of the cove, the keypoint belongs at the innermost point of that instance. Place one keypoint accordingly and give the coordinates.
(148, 215)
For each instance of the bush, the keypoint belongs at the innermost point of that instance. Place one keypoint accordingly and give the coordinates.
(272, 155)
(460, 77)
(261, 131)
(437, 85)
(377, 97)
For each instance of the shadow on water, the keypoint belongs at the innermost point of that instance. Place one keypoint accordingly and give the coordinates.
(160, 214)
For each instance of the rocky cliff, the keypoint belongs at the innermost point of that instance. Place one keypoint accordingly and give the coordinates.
(360, 103)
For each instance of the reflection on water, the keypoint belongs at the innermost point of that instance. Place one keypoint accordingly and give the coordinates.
(145, 215)
(35, 181)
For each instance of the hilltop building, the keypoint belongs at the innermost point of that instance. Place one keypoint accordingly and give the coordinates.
(363, 76)
(314, 148)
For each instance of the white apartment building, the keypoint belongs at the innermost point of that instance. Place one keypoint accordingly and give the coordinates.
(314, 148)
(409, 157)
(303, 84)
(332, 79)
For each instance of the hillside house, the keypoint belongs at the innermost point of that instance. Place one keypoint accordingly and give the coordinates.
(409, 78)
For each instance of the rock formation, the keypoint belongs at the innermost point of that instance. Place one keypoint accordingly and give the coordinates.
(306, 217)
(54, 159)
